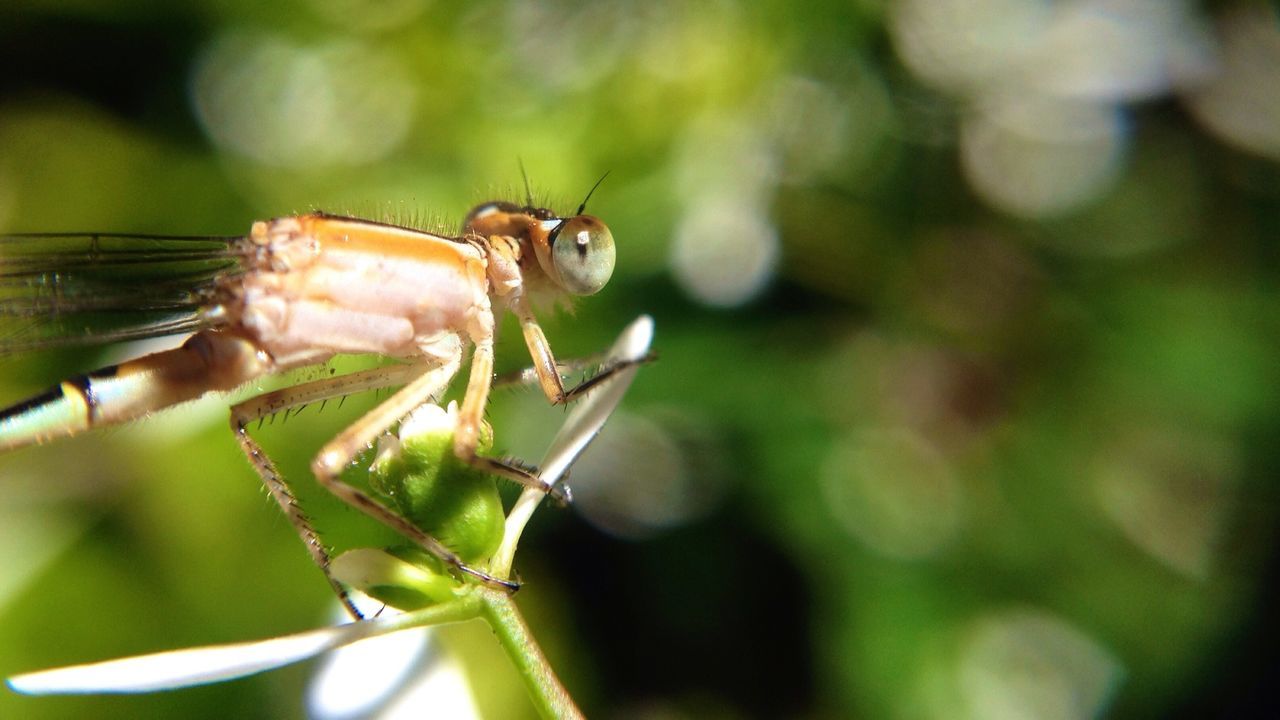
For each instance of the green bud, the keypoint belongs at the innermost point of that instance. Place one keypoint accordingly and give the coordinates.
(427, 484)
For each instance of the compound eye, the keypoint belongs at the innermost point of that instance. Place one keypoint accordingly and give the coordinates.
(583, 254)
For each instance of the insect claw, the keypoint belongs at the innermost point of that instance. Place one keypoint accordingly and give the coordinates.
(562, 495)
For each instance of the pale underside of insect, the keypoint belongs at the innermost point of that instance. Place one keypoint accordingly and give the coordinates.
(293, 293)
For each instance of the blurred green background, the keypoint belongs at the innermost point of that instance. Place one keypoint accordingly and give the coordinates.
(967, 315)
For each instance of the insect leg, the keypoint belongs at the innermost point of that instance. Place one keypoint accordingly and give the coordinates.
(472, 415)
(529, 375)
(244, 413)
(544, 361)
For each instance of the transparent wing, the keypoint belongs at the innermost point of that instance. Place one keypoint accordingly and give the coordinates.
(60, 289)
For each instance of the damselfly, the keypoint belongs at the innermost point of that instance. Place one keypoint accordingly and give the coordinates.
(295, 292)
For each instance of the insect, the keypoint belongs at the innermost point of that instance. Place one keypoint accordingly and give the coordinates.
(293, 293)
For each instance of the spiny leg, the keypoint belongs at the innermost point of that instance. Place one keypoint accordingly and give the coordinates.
(244, 413)
(605, 369)
(329, 462)
(603, 373)
(529, 375)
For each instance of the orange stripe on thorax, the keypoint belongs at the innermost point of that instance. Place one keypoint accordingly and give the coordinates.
(386, 240)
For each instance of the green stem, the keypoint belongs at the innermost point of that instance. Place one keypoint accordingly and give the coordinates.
(460, 609)
(549, 696)
(519, 516)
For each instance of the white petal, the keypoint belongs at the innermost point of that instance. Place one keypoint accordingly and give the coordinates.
(195, 666)
(589, 415)
(353, 680)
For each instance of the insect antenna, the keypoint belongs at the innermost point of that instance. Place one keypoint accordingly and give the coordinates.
(555, 232)
(583, 206)
(528, 190)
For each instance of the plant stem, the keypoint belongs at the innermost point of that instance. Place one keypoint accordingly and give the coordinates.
(549, 695)
(519, 516)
